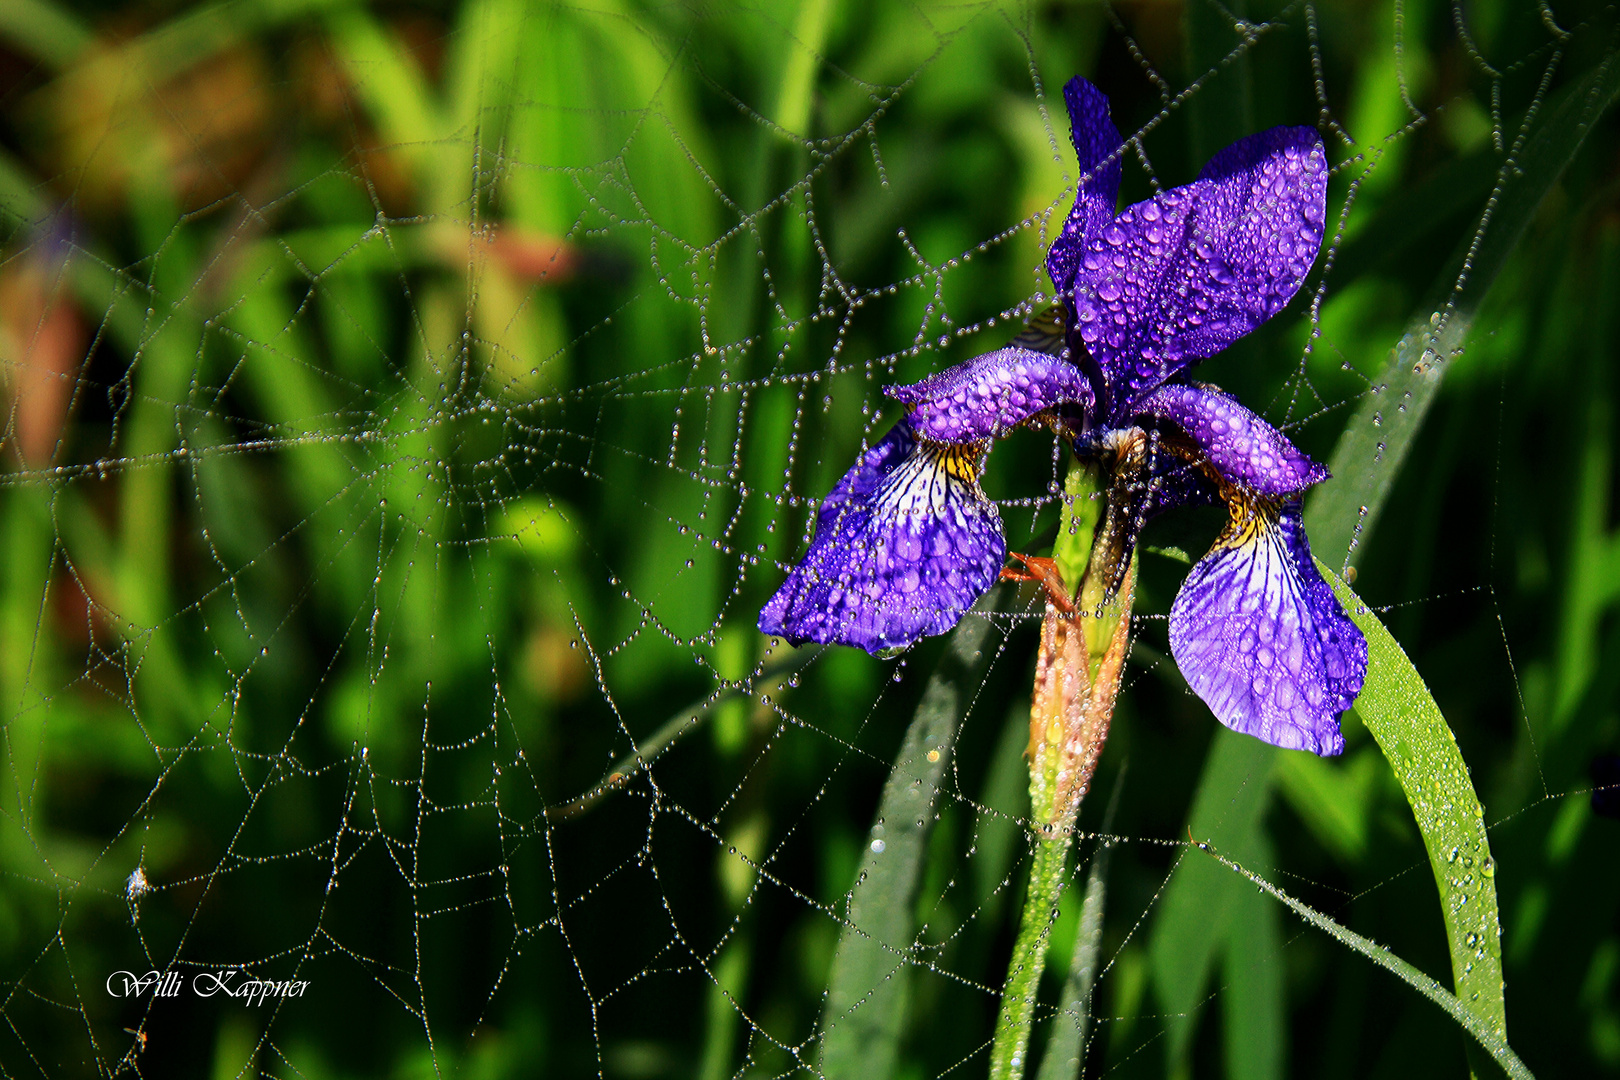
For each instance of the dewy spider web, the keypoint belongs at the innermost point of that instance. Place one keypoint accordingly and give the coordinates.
(379, 488)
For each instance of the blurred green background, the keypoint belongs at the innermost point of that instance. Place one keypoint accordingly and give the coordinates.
(409, 406)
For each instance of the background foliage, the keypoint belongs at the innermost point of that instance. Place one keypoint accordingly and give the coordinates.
(410, 406)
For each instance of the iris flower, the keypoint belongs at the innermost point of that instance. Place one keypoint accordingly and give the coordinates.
(907, 541)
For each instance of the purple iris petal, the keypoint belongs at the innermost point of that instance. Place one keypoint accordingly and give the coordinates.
(1182, 275)
(1260, 637)
(988, 396)
(1242, 447)
(904, 545)
(1096, 144)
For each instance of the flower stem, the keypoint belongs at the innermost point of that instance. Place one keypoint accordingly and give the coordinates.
(1078, 525)
(1077, 678)
(1046, 877)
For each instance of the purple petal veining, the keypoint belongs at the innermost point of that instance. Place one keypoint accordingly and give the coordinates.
(904, 545)
(1261, 638)
(907, 541)
(1180, 276)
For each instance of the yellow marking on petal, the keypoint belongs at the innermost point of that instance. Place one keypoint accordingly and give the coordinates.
(930, 477)
(1249, 517)
(962, 462)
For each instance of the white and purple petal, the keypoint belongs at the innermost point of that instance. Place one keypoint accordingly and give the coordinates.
(988, 396)
(1260, 637)
(904, 545)
(1181, 276)
(1242, 447)
(1097, 146)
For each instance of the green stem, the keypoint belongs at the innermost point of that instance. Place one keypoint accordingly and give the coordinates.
(1066, 1045)
(1078, 525)
(1046, 878)
(1076, 682)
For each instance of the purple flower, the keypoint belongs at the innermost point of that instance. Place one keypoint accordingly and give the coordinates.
(907, 541)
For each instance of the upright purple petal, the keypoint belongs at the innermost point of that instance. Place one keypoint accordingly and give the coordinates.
(1096, 145)
(904, 545)
(988, 396)
(1241, 446)
(1260, 637)
(1179, 277)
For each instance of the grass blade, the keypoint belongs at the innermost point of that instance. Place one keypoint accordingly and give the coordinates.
(43, 31)
(1400, 712)
(1066, 1046)
(1194, 915)
(1492, 1039)
(1254, 1001)
(1368, 457)
(866, 993)
(804, 60)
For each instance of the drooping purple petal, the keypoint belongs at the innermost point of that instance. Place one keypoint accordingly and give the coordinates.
(1260, 637)
(988, 396)
(1241, 446)
(1179, 277)
(1096, 145)
(904, 545)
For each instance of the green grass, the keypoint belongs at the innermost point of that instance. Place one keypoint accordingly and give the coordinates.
(407, 434)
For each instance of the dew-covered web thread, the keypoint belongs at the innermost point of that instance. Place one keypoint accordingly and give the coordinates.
(390, 501)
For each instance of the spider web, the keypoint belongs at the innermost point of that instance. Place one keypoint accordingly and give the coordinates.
(409, 415)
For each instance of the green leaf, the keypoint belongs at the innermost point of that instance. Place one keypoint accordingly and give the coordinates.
(391, 84)
(999, 832)
(1335, 799)
(1196, 909)
(866, 993)
(1368, 457)
(43, 31)
(1400, 712)
(1492, 1039)
(1254, 1007)
(804, 60)
(1066, 1045)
